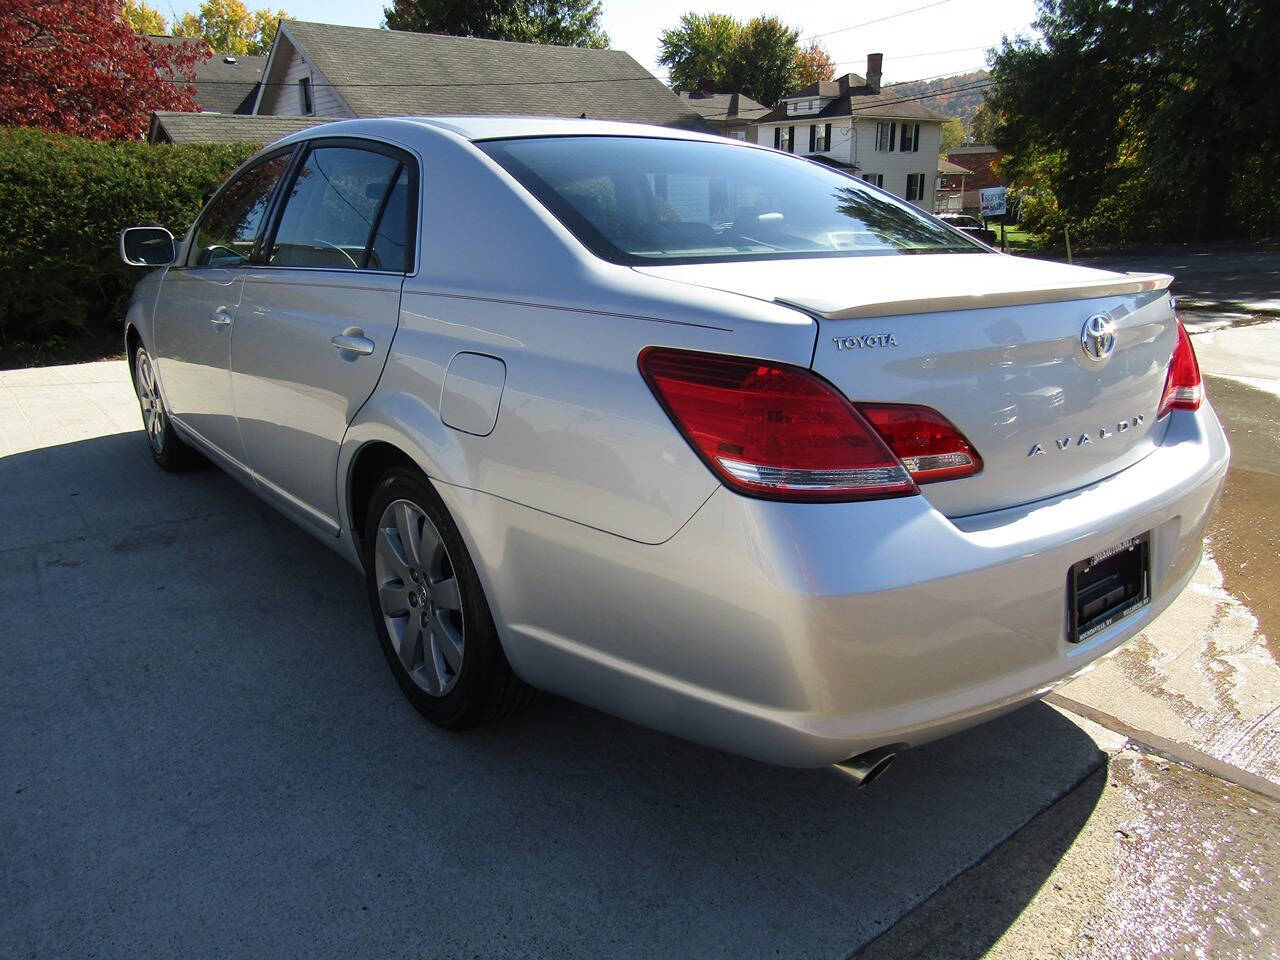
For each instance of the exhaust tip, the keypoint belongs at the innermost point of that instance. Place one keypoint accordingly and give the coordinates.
(870, 766)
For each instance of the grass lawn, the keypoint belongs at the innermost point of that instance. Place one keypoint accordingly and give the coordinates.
(1020, 241)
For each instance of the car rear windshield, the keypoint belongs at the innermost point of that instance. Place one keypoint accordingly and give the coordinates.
(641, 200)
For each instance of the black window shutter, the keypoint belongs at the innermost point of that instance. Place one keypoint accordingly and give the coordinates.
(777, 137)
(826, 138)
(915, 145)
(893, 135)
(813, 137)
(791, 139)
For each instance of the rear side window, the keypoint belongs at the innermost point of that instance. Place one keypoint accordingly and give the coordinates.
(391, 240)
(230, 226)
(638, 200)
(334, 209)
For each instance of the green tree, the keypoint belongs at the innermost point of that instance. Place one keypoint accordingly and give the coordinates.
(569, 23)
(1154, 119)
(983, 127)
(760, 58)
(228, 26)
(144, 19)
(698, 52)
(764, 60)
(265, 24)
(952, 136)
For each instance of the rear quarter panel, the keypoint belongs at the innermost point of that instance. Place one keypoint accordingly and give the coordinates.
(578, 434)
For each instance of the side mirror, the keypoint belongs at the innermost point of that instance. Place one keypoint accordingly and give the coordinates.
(147, 246)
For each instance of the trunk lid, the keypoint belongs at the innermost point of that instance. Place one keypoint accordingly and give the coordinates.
(995, 344)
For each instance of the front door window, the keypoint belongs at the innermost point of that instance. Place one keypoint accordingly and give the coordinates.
(230, 227)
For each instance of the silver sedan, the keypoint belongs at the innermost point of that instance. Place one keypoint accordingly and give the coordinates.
(703, 434)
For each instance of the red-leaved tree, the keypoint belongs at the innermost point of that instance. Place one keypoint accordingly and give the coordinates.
(75, 66)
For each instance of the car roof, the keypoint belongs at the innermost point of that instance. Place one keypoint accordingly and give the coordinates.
(479, 128)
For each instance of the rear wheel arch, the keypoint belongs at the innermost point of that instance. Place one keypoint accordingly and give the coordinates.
(368, 466)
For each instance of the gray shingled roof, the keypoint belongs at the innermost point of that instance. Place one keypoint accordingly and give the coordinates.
(719, 107)
(382, 73)
(858, 101)
(221, 86)
(172, 127)
(827, 88)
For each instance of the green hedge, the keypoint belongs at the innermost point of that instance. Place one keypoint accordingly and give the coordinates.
(63, 201)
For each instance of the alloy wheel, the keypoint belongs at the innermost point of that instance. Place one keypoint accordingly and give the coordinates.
(153, 418)
(419, 597)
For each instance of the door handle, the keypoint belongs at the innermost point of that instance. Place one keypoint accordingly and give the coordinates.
(353, 343)
(220, 316)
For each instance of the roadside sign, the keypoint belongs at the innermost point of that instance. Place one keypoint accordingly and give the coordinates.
(993, 201)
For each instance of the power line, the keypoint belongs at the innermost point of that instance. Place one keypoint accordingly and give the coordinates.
(415, 84)
(936, 76)
(916, 56)
(892, 16)
(963, 88)
(471, 83)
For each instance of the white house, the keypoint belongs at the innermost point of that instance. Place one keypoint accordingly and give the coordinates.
(890, 140)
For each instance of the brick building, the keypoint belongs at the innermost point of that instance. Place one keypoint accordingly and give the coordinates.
(979, 160)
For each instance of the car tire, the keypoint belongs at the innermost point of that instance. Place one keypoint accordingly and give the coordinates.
(167, 448)
(429, 609)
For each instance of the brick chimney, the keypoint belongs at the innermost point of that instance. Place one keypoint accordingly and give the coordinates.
(874, 63)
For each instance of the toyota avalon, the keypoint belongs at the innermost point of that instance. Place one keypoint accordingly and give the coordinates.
(706, 435)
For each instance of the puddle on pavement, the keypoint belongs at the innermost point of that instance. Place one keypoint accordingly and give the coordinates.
(1244, 536)
(1195, 868)
(1207, 671)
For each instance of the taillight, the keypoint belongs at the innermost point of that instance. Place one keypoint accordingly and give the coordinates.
(1183, 388)
(773, 430)
(926, 442)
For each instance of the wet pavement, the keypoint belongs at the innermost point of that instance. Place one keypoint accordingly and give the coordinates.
(1206, 674)
(1146, 858)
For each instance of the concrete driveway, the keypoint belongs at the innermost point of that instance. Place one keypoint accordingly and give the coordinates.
(203, 753)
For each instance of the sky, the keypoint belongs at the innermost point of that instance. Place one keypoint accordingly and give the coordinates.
(919, 38)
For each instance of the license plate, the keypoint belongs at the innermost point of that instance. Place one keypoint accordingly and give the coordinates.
(1108, 587)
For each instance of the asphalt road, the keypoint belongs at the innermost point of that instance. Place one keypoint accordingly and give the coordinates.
(1240, 279)
(203, 753)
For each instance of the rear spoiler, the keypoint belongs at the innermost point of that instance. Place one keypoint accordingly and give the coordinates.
(1118, 286)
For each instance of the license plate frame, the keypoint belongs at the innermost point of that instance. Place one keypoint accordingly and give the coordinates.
(1107, 587)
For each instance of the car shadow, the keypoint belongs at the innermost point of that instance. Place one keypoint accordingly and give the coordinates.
(203, 753)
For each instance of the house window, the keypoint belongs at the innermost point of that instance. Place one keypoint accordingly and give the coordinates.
(910, 138)
(304, 94)
(875, 179)
(819, 137)
(784, 139)
(886, 137)
(915, 186)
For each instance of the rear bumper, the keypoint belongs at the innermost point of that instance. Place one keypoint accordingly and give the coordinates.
(803, 634)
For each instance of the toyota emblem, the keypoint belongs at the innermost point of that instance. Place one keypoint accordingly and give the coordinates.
(1098, 337)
